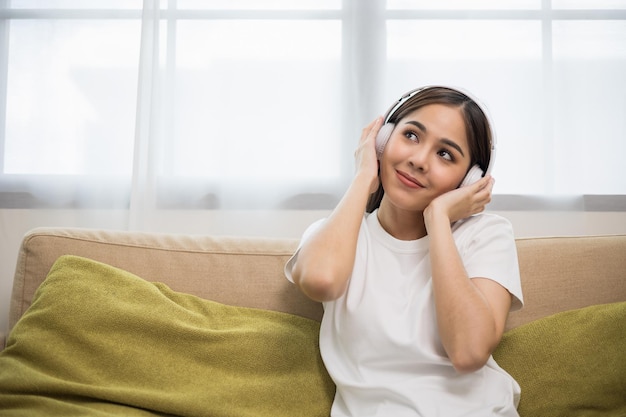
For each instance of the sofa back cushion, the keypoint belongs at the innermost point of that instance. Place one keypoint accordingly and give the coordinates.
(567, 273)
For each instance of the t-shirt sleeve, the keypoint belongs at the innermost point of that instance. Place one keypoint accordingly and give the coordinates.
(307, 233)
(487, 246)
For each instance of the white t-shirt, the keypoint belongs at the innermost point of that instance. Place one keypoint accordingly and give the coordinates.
(380, 343)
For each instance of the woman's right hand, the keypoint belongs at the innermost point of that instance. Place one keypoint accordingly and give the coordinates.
(365, 154)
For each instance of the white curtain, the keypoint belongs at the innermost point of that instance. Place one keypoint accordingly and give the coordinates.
(207, 104)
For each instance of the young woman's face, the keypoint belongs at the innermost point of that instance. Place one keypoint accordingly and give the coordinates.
(426, 156)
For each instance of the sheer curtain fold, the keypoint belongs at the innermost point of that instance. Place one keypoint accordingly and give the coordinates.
(365, 47)
(143, 183)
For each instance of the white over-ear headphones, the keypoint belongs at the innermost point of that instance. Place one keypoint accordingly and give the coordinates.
(475, 172)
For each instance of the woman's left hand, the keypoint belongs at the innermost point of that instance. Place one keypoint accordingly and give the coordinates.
(461, 202)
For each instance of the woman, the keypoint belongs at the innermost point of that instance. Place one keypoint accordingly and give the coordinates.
(415, 280)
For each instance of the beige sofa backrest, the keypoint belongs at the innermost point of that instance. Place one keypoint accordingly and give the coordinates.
(237, 271)
(565, 273)
(557, 273)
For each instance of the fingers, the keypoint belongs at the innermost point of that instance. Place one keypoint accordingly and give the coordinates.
(371, 130)
(489, 181)
(378, 122)
(369, 134)
(365, 153)
(483, 193)
(485, 182)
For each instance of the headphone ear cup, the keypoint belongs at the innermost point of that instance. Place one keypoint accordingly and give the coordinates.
(473, 175)
(383, 137)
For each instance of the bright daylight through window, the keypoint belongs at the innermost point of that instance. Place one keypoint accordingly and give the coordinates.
(259, 104)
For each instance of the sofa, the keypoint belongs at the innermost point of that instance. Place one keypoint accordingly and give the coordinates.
(107, 322)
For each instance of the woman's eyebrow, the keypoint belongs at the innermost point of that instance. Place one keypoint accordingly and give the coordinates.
(446, 141)
(454, 145)
(418, 125)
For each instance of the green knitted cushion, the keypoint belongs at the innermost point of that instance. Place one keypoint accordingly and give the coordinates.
(571, 364)
(100, 341)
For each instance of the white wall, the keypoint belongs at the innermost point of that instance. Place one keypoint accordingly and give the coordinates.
(15, 223)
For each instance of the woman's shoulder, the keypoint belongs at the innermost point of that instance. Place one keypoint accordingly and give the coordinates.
(483, 226)
(484, 220)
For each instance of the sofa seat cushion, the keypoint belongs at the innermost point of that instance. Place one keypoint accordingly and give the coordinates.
(571, 364)
(101, 341)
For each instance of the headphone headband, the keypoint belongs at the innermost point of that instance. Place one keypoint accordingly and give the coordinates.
(397, 104)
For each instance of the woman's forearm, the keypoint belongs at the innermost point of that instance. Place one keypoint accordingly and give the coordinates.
(465, 319)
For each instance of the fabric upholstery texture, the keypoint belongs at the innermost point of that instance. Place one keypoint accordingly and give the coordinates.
(99, 341)
(567, 273)
(213, 268)
(571, 364)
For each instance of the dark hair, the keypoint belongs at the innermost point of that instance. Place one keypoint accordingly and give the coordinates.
(477, 127)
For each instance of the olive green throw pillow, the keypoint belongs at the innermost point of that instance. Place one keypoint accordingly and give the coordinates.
(100, 341)
(571, 364)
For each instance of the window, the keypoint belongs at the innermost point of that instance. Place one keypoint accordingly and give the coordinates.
(259, 104)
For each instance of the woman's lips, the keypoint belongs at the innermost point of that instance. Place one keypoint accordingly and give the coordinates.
(408, 180)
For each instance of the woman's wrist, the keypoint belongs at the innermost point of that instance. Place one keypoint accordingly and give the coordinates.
(365, 181)
(435, 217)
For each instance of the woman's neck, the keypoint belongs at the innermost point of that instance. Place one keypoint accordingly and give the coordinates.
(401, 224)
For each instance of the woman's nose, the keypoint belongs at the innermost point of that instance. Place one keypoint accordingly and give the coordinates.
(419, 160)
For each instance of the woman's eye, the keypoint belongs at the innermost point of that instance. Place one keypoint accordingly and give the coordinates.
(411, 136)
(446, 155)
